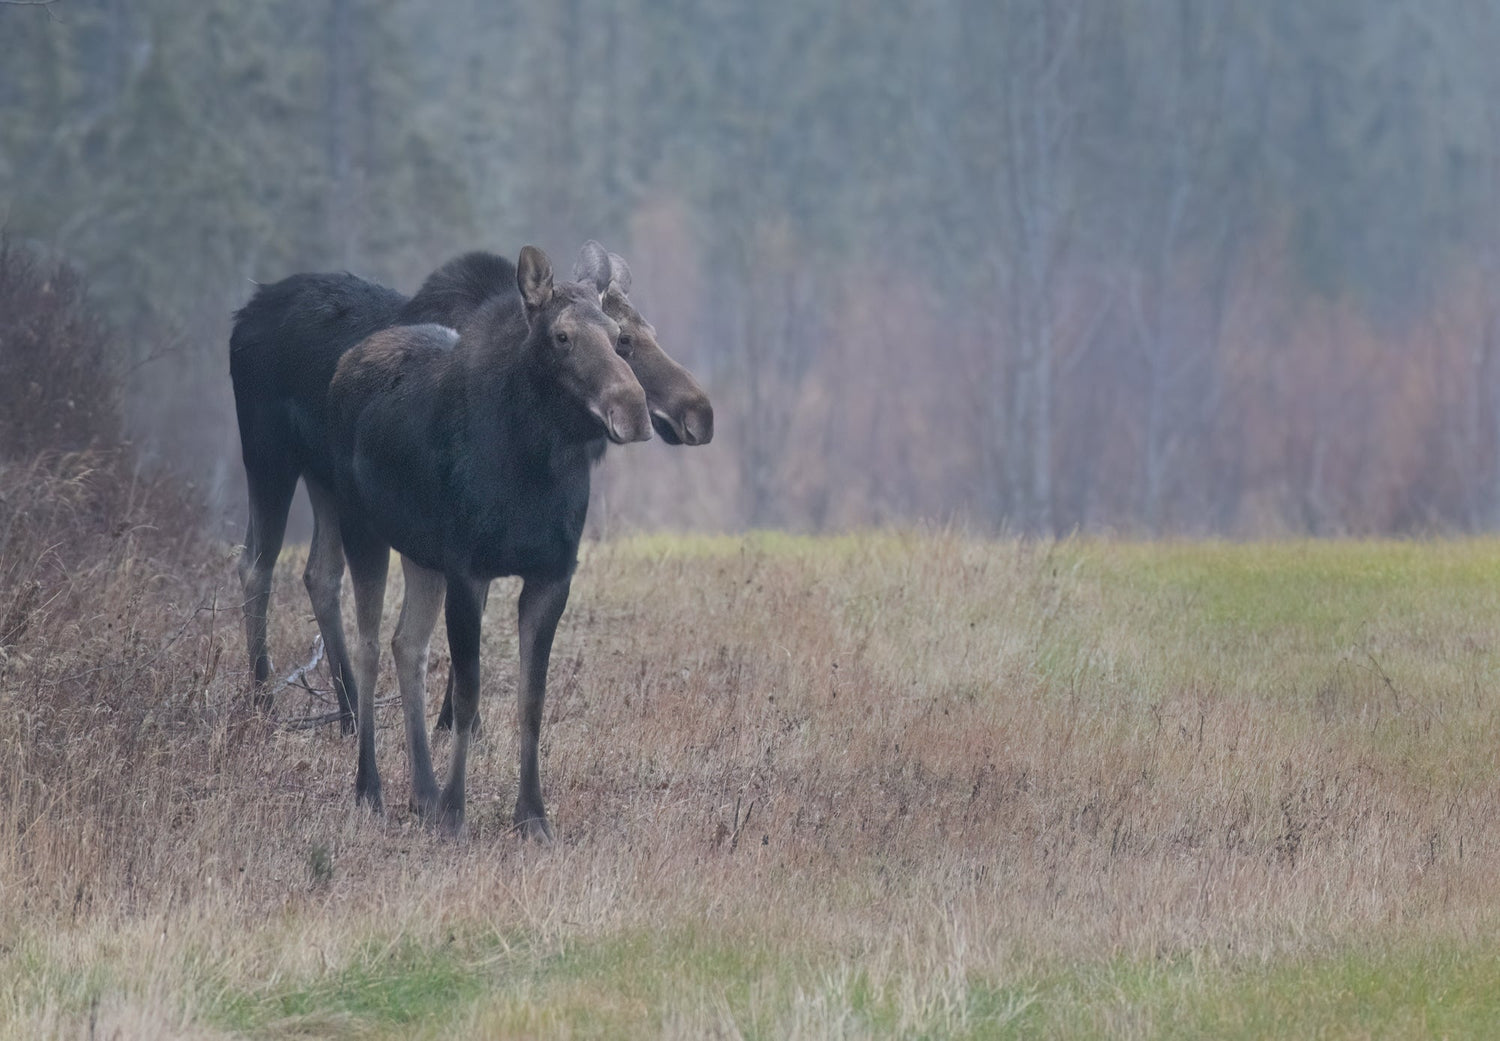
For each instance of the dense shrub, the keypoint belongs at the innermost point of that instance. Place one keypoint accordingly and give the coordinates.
(113, 603)
(59, 371)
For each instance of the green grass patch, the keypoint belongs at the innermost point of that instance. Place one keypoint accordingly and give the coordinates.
(1435, 992)
(618, 986)
(1322, 594)
(1295, 619)
(1407, 992)
(684, 979)
(640, 984)
(385, 985)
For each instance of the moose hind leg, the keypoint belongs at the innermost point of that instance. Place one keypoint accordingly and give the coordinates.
(419, 611)
(541, 606)
(367, 567)
(324, 579)
(270, 499)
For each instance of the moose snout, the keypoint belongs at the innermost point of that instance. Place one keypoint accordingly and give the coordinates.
(624, 414)
(689, 420)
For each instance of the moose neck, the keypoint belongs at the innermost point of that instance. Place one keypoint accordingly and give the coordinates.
(510, 401)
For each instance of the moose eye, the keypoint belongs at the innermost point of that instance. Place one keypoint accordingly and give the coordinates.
(622, 345)
(562, 339)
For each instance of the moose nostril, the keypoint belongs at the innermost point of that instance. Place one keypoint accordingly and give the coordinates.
(699, 426)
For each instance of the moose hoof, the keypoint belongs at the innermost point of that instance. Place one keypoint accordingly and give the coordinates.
(425, 804)
(534, 828)
(449, 815)
(369, 796)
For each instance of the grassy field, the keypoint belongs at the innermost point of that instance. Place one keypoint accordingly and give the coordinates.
(871, 786)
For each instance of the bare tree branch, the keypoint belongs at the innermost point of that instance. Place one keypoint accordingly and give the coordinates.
(45, 5)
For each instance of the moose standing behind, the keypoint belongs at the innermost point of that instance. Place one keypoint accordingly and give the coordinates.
(471, 457)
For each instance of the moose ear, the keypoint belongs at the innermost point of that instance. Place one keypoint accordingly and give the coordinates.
(619, 272)
(592, 268)
(534, 278)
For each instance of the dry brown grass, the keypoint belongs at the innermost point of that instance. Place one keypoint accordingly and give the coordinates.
(875, 785)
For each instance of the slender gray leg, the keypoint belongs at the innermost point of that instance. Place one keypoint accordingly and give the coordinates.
(368, 569)
(255, 583)
(324, 577)
(270, 499)
(445, 714)
(465, 609)
(541, 605)
(419, 611)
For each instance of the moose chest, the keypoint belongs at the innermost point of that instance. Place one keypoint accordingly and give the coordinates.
(517, 520)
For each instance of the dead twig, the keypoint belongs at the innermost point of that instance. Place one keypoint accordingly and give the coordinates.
(297, 677)
(1390, 684)
(312, 722)
(739, 822)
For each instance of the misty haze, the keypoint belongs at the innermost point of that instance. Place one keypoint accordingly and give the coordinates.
(1041, 267)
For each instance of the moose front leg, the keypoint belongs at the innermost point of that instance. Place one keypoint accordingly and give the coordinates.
(541, 605)
(465, 609)
(445, 714)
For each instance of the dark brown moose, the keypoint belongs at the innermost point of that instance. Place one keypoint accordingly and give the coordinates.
(470, 456)
(680, 411)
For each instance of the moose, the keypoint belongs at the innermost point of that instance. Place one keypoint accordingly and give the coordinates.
(470, 455)
(284, 348)
(680, 412)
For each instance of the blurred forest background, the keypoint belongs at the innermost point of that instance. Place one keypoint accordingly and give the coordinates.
(1152, 266)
